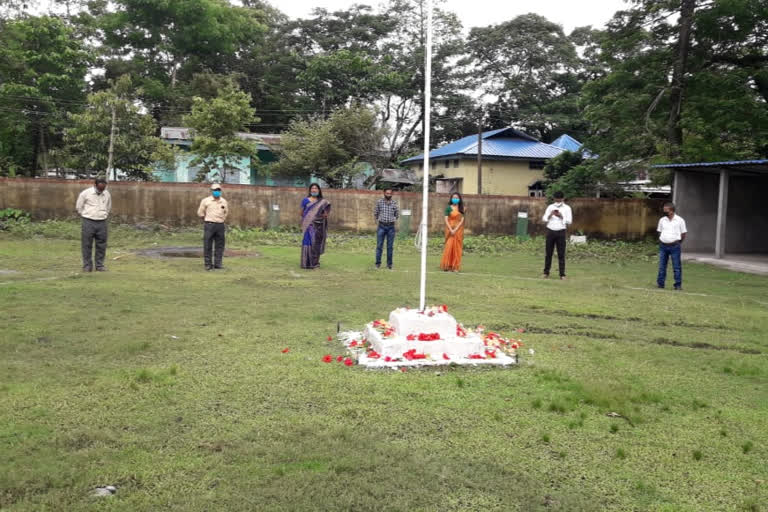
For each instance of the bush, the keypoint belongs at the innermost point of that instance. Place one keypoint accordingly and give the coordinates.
(13, 215)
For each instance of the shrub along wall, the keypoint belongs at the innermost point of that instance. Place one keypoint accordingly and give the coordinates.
(176, 204)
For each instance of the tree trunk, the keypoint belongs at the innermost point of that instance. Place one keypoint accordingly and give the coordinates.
(677, 91)
(111, 150)
(43, 151)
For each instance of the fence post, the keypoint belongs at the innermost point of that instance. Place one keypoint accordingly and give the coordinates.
(405, 224)
(274, 216)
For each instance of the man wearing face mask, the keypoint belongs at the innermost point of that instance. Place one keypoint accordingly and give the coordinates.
(213, 210)
(558, 217)
(386, 214)
(672, 231)
(93, 205)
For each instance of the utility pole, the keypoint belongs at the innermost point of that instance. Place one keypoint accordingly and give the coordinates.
(111, 151)
(480, 156)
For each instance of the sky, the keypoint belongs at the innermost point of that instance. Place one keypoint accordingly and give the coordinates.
(477, 13)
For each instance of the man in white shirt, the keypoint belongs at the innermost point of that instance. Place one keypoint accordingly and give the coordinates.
(93, 205)
(672, 232)
(558, 217)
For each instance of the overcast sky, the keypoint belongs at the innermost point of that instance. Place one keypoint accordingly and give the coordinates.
(474, 13)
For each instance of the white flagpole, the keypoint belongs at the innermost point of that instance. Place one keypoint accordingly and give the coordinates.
(427, 127)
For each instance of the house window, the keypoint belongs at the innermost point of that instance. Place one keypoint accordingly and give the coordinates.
(536, 164)
(421, 166)
(536, 189)
(447, 163)
(455, 164)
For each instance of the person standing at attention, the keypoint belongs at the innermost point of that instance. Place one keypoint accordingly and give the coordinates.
(93, 205)
(558, 217)
(213, 210)
(386, 214)
(672, 232)
(314, 226)
(454, 234)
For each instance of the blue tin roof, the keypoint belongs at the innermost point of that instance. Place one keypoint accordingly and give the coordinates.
(567, 143)
(731, 163)
(506, 143)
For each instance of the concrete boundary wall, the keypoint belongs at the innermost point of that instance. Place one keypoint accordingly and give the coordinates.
(176, 204)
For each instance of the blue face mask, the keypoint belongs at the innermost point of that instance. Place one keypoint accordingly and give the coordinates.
(455, 200)
(217, 193)
(314, 193)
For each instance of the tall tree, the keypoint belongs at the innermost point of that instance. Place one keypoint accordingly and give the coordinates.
(679, 69)
(402, 104)
(42, 76)
(164, 43)
(682, 91)
(360, 55)
(528, 64)
(136, 149)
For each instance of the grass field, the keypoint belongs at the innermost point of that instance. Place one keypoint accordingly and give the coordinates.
(171, 383)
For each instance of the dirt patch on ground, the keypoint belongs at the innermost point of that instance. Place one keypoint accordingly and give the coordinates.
(705, 346)
(191, 252)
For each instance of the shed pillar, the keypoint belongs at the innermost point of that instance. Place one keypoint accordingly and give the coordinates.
(722, 214)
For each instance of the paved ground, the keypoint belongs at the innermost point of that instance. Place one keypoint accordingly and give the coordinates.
(749, 263)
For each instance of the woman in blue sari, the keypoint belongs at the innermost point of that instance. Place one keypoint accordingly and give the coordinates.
(314, 225)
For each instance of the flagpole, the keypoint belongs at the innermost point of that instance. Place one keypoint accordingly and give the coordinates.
(427, 127)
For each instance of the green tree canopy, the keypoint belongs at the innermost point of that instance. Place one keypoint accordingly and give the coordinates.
(215, 124)
(715, 110)
(42, 77)
(137, 149)
(528, 64)
(332, 149)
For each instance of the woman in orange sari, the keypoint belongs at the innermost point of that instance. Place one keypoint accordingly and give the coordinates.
(454, 234)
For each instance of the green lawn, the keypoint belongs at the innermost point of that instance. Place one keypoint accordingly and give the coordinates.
(170, 383)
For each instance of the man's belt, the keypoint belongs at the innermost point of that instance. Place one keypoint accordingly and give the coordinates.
(386, 224)
(670, 244)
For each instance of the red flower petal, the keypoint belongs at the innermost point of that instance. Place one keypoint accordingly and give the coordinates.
(403, 369)
(339, 358)
(327, 358)
(387, 359)
(330, 338)
(445, 356)
(286, 350)
(348, 362)
(353, 344)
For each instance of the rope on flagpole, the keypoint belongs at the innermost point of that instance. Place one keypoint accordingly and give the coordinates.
(427, 128)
